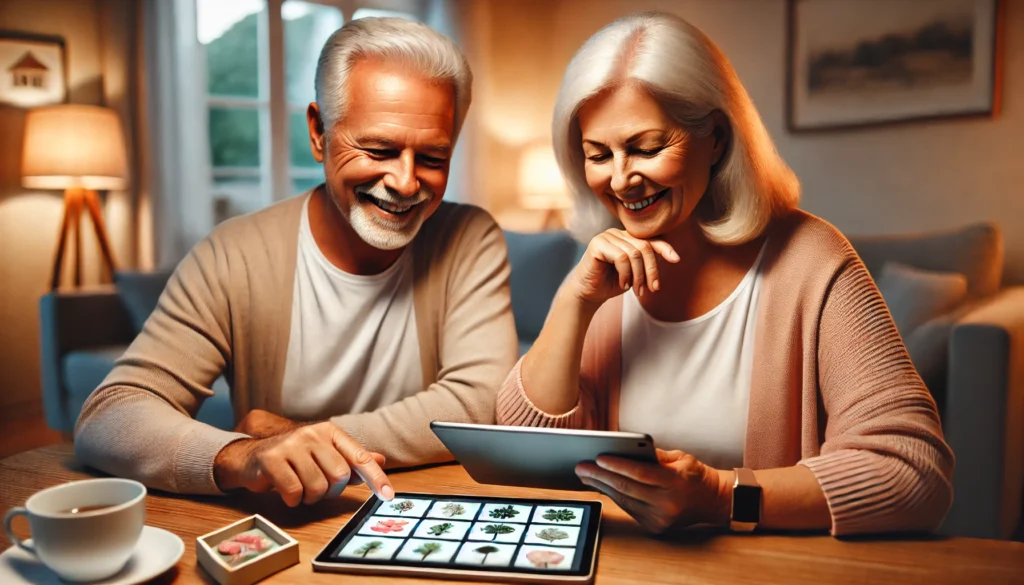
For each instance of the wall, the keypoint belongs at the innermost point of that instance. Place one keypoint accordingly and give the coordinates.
(30, 221)
(910, 177)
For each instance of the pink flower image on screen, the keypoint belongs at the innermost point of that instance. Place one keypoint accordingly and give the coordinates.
(388, 526)
(544, 558)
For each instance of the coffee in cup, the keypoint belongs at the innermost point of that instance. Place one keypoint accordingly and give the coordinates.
(84, 530)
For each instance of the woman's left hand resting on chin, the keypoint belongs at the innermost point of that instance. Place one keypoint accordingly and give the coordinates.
(680, 491)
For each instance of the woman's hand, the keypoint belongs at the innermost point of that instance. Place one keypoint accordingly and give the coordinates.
(615, 261)
(676, 491)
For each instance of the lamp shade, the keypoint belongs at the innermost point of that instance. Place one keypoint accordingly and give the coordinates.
(70, 146)
(540, 182)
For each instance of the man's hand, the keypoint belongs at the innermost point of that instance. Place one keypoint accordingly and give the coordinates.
(261, 424)
(301, 464)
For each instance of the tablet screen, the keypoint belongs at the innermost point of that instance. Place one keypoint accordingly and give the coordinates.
(468, 533)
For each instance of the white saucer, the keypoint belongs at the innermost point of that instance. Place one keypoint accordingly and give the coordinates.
(156, 552)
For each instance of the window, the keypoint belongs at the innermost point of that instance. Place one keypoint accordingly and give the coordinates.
(260, 61)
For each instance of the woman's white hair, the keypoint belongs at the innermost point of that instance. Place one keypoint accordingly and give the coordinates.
(392, 40)
(691, 78)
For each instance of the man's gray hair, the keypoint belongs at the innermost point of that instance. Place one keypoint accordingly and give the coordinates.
(691, 78)
(393, 40)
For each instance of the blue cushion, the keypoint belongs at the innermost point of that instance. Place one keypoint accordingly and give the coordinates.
(139, 292)
(539, 264)
(85, 370)
(82, 372)
(216, 410)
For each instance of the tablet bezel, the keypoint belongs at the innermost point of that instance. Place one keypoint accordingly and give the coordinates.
(588, 551)
(476, 447)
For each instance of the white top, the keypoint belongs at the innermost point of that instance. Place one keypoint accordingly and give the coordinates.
(687, 384)
(354, 345)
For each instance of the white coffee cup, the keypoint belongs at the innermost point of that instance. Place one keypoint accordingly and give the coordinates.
(84, 545)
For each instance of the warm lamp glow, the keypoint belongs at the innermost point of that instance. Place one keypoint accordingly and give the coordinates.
(73, 146)
(540, 182)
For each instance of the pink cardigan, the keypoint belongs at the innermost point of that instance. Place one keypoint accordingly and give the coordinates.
(832, 388)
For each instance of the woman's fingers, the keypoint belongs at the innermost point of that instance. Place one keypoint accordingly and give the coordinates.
(665, 250)
(606, 251)
(649, 257)
(643, 513)
(645, 493)
(636, 261)
(625, 501)
(652, 474)
(649, 516)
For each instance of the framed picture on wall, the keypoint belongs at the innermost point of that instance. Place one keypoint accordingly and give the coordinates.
(33, 70)
(854, 63)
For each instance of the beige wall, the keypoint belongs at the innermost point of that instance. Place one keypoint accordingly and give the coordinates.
(911, 177)
(29, 221)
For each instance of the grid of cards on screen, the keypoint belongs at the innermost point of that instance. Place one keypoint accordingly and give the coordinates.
(404, 508)
(469, 533)
(506, 512)
(558, 515)
(373, 548)
(453, 510)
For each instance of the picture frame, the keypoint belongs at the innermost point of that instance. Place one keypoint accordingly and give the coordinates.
(284, 555)
(856, 63)
(33, 69)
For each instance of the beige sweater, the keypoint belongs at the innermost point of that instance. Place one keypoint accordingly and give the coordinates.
(832, 387)
(227, 311)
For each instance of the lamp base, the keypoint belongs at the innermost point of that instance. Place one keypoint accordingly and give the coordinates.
(74, 200)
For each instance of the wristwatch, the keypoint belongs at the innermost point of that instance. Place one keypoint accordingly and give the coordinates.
(746, 502)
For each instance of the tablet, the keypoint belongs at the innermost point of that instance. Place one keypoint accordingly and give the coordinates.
(468, 537)
(535, 457)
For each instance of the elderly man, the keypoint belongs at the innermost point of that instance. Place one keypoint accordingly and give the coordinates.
(367, 304)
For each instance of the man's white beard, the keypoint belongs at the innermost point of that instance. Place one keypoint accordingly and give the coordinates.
(381, 233)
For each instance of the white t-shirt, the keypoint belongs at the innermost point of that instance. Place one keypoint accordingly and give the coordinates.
(354, 345)
(687, 384)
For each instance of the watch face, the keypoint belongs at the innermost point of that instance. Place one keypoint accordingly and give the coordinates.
(746, 503)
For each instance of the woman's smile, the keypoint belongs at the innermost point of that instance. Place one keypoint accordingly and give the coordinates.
(644, 206)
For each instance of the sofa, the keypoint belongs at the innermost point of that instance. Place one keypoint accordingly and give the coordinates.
(82, 334)
(972, 359)
(971, 355)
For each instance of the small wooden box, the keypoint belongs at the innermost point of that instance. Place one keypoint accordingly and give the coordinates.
(251, 571)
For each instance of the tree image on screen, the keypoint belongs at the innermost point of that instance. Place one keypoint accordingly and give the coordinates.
(544, 558)
(562, 515)
(440, 529)
(402, 507)
(369, 548)
(450, 510)
(504, 513)
(552, 534)
(426, 549)
(486, 551)
(495, 529)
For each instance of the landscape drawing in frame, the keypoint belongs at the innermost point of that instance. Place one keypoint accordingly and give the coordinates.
(857, 63)
(33, 70)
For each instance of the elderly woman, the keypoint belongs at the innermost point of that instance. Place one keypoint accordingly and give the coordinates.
(744, 335)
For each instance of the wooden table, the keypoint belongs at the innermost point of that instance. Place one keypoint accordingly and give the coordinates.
(627, 554)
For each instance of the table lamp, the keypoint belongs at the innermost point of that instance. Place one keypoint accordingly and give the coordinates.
(79, 149)
(541, 185)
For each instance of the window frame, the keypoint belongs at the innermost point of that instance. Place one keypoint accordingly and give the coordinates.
(275, 172)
